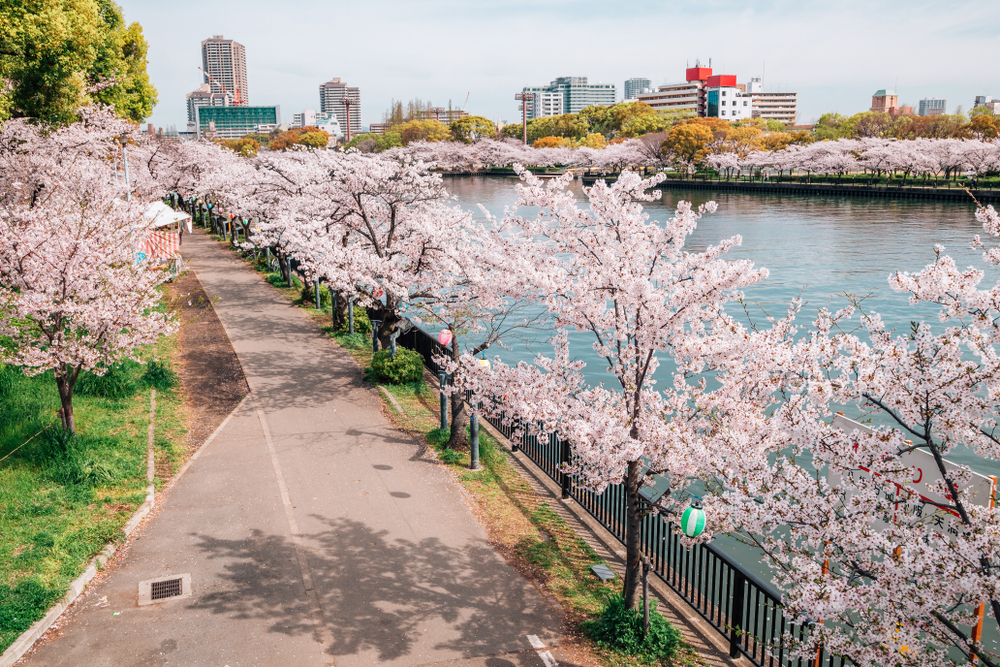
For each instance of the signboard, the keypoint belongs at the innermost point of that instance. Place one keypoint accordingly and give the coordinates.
(908, 501)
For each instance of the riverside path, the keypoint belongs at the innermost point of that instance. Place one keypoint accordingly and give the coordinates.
(313, 532)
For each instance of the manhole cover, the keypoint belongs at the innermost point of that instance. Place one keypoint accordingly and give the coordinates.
(163, 589)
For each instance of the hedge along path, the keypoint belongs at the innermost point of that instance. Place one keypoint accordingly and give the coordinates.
(27, 640)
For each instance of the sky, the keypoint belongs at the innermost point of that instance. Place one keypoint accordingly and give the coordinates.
(835, 55)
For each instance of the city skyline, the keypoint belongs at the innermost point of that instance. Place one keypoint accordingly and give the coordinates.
(289, 58)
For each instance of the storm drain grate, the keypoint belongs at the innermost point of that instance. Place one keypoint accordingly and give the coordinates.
(164, 589)
(160, 590)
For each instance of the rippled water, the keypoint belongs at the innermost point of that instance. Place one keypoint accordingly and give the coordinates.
(820, 247)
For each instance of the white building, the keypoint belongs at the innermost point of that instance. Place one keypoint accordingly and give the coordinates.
(728, 103)
(204, 97)
(932, 106)
(224, 63)
(783, 107)
(576, 94)
(330, 95)
(988, 102)
(635, 86)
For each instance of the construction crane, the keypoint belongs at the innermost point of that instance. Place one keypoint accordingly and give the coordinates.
(466, 100)
(237, 101)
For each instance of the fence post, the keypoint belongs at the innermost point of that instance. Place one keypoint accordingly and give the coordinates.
(564, 460)
(736, 617)
(350, 317)
(319, 302)
(375, 325)
(443, 379)
(645, 595)
(474, 444)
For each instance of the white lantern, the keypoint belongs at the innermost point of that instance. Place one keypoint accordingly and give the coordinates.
(485, 363)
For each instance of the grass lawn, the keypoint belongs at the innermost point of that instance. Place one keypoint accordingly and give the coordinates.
(61, 501)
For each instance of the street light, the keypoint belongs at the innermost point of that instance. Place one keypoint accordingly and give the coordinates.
(348, 103)
(524, 98)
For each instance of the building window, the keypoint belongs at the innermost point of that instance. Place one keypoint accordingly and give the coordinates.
(723, 113)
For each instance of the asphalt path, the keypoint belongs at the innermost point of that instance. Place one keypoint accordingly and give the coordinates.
(314, 533)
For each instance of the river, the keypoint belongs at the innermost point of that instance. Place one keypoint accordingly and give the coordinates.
(814, 246)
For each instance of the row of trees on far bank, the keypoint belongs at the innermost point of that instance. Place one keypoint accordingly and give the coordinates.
(747, 417)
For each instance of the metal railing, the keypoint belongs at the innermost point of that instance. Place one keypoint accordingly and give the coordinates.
(746, 611)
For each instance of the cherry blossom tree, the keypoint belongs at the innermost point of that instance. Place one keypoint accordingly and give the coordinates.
(869, 527)
(633, 288)
(72, 295)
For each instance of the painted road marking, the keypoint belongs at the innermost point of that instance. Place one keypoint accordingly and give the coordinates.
(546, 656)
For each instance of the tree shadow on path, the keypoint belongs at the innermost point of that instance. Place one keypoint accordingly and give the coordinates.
(384, 595)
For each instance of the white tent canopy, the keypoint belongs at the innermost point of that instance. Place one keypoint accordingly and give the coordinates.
(162, 215)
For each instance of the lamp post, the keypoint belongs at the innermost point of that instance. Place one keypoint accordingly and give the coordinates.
(525, 98)
(123, 140)
(348, 103)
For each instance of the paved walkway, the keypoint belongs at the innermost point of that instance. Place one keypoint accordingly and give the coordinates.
(314, 533)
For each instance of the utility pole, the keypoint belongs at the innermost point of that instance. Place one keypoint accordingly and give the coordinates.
(524, 98)
(348, 102)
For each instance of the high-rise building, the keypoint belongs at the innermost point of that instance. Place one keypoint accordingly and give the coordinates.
(637, 85)
(233, 122)
(330, 95)
(931, 106)
(224, 63)
(576, 94)
(204, 97)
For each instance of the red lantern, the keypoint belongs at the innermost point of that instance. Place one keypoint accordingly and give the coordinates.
(444, 337)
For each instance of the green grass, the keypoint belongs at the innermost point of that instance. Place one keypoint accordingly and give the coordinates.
(62, 499)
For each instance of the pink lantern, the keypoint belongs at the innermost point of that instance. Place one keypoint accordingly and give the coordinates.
(444, 337)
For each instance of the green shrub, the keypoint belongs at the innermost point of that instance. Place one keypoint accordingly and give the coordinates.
(275, 279)
(119, 381)
(361, 322)
(407, 366)
(620, 629)
(159, 376)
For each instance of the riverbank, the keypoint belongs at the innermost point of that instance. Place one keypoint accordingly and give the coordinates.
(957, 194)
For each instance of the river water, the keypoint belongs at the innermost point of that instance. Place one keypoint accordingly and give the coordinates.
(814, 246)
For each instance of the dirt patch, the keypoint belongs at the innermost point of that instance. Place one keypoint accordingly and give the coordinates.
(210, 372)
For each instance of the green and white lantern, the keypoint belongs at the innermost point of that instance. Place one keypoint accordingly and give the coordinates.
(693, 520)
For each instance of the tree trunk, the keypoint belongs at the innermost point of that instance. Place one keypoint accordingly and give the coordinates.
(65, 387)
(633, 533)
(390, 320)
(458, 439)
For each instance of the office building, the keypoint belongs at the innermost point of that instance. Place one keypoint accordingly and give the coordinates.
(741, 100)
(204, 97)
(931, 106)
(782, 107)
(635, 86)
(725, 99)
(576, 94)
(331, 95)
(233, 122)
(988, 102)
(224, 67)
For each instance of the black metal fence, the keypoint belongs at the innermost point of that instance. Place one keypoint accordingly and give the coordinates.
(745, 610)
(742, 608)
